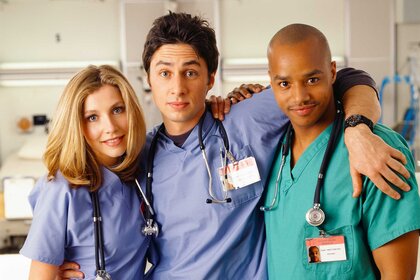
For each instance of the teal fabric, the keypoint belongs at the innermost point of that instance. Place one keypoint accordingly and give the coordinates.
(367, 222)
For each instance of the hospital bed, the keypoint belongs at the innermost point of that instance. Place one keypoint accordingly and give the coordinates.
(18, 174)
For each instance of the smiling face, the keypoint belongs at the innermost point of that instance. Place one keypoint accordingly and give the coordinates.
(302, 77)
(179, 80)
(105, 124)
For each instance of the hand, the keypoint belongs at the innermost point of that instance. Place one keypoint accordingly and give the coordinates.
(371, 156)
(244, 91)
(69, 270)
(219, 106)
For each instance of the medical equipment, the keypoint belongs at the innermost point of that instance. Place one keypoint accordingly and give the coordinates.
(410, 121)
(225, 154)
(314, 216)
(101, 273)
(150, 228)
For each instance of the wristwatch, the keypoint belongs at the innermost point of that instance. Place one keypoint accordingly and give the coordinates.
(354, 120)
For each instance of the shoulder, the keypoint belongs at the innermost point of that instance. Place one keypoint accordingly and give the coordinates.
(50, 191)
(260, 109)
(391, 137)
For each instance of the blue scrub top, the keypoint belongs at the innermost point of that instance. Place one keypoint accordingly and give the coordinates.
(214, 241)
(62, 227)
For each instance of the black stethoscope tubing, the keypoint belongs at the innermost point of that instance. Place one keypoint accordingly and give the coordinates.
(222, 132)
(98, 236)
(149, 170)
(152, 152)
(336, 130)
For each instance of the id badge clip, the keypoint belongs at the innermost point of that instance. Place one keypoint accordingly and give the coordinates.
(326, 248)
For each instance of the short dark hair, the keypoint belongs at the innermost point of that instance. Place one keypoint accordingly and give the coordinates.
(182, 28)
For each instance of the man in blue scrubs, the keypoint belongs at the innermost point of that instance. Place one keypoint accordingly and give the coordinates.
(210, 225)
(370, 237)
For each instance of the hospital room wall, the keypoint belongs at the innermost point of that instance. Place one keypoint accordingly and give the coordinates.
(49, 31)
(17, 102)
(91, 30)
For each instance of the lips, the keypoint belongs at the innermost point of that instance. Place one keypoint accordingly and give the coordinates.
(178, 105)
(303, 110)
(113, 142)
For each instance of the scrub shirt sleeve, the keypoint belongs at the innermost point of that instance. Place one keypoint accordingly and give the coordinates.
(46, 240)
(386, 219)
(349, 77)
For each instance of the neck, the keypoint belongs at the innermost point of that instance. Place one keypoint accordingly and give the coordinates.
(304, 136)
(175, 128)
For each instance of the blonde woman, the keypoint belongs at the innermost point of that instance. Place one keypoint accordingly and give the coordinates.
(97, 134)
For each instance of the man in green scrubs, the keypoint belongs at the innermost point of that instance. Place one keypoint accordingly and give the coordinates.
(361, 238)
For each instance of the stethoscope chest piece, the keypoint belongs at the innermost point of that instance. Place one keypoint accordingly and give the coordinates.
(102, 275)
(315, 216)
(151, 228)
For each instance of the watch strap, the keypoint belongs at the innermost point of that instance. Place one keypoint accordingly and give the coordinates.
(355, 120)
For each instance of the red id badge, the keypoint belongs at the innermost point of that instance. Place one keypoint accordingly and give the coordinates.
(326, 249)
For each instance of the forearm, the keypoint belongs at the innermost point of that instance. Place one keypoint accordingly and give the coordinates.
(44, 271)
(362, 100)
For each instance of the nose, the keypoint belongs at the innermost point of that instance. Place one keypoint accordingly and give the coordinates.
(109, 125)
(178, 85)
(300, 93)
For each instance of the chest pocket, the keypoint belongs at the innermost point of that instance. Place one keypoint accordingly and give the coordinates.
(242, 195)
(335, 268)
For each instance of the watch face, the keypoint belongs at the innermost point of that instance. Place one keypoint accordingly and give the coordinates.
(355, 120)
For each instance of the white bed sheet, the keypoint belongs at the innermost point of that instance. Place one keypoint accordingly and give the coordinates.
(14, 166)
(17, 169)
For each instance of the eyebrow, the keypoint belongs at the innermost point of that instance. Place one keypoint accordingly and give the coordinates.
(187, 63)
(307, 75)
(118, 103)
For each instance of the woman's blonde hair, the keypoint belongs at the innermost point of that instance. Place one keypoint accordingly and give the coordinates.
(67, 149)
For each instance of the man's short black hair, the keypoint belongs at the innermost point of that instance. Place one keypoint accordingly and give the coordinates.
(182, 28)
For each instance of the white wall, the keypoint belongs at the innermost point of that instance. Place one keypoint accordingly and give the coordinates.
(247, 25)
(88, 30)
(23, 102)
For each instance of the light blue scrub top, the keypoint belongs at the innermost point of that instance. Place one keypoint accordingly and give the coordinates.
(214, 241)
(62, 227)
(367, 222)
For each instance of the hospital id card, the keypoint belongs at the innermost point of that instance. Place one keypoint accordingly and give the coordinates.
(239, 174)
(326, 249)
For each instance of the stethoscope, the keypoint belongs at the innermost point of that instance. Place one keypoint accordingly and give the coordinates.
(225, 155)
(315, 216)
(101, 273)
(150, 228)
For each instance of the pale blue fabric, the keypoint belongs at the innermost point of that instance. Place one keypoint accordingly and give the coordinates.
(214, 241)
(62, 227)
(367, 222)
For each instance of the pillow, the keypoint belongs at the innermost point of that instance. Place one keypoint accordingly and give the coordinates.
(33, 148)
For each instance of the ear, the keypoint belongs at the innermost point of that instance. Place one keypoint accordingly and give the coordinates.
(271, 80)
(148, 80)
(333, 71)
(211, 81)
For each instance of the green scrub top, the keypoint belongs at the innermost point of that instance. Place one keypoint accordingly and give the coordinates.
(367, 222)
